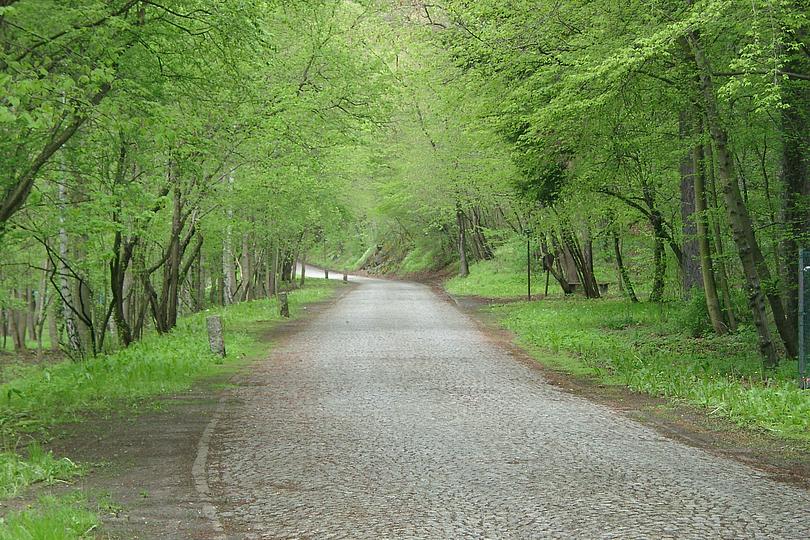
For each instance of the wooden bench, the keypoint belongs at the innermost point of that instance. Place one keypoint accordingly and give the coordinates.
(574, 286)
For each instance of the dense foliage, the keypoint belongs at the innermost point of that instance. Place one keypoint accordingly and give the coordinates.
(658, 146)
(157, 158)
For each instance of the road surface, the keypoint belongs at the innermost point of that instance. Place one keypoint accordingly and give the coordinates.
(393, 416)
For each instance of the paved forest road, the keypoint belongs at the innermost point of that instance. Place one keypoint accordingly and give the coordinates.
(393, 416)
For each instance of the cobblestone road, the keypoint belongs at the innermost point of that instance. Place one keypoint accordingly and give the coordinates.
(393, 416)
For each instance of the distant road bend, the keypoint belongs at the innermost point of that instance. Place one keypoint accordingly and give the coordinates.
(393, 416)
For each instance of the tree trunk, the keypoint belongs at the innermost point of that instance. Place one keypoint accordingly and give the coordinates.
(625, 275)
(53, 325)
(246, 266)
(17, 322)
(197, 288)
(41, 307)
(659, 269)
(303, 268)
(690, 265)
(717, 236)
(583, 261)
(735, 206)
(463, 266)
(480, 239)
(706, 267)
(74, 343)
(274, 272)
(795, 169)
(31, 313)
(122, 254)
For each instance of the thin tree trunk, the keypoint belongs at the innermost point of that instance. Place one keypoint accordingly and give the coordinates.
(463, 266)
(31, 313)
(659, 270)
(275, 269)
(795, 167)
(706, 267)
(17, 324)
(719, 260)
(625, 275)
(74, 343)
(246, 269)
(42, 305)
(53, 325)
(690, 266)
(737, 212)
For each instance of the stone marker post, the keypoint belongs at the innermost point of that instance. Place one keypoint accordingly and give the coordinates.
(284, 305)
(345, 277)
(215, 339)
(326, 273)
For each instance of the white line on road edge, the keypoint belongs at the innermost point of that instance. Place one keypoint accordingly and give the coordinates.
(198, 472)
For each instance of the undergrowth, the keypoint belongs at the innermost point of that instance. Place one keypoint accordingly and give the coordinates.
(17, 471)
(647, 348)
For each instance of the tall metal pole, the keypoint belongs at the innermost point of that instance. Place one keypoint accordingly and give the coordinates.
(529, 266)
(803, 376)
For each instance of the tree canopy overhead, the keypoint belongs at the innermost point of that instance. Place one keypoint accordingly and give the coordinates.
(160, 157)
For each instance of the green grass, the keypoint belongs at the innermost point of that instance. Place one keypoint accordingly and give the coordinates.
(647, 348)
(17, 472)
(39, 397)
(421, 259)
(52, 519)
(494, 279)
(505, 276)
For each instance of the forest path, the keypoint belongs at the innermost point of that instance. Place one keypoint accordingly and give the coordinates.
(395, 416)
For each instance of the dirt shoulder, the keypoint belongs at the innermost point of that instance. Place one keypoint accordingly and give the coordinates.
(140, 462)
(783, 460)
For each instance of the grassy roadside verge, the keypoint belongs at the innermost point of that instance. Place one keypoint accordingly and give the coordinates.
(645, 347)
(37, 398)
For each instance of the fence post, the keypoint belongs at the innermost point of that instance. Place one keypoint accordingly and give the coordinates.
(345, 277)
(804, 268)
(284, 306)
(215, 338)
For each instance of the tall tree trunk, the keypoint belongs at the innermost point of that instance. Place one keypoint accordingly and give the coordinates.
(275, 270)
(582, 260)
(738, 215)
(659, 269)
(74, 343)
(17, 322)
(246, 272)
(463, 266)
(717, 236)
(690, 265)
(197, 288)
(706, 267)
(84, 307)
(122, 254)
(31, 313)
(303, 267)
(41, 305)
(480, 239)
(795, 166)
(53, 325)
(625, 275)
